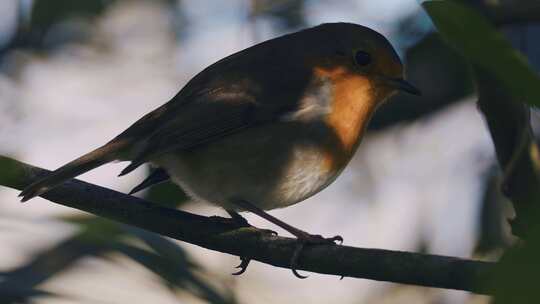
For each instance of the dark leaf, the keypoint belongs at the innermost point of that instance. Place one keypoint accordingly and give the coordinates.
(472, 35)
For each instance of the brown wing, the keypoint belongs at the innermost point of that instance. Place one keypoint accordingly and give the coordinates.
(218, 114)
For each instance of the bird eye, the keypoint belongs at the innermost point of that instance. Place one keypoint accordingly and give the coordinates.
(362, 58)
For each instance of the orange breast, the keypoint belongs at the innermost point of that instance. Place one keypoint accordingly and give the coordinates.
(353, 103)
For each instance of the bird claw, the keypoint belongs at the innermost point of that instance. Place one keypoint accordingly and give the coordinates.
(294, 261)
(244, 263)
(310, 239)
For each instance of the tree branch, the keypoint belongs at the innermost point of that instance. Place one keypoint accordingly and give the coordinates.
(220, 235)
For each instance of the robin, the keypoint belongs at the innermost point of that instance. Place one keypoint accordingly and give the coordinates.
(264, 128)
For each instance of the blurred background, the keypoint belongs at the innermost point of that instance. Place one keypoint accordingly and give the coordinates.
(73, 74)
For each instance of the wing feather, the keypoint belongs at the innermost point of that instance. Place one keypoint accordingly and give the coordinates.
(201, 122)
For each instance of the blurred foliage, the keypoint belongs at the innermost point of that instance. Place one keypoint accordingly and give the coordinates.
(46, 13)
(100, 238)
(482, 45)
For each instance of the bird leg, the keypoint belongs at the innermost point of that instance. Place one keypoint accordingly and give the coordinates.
(303, 237)
(242, 222)
(237, 218)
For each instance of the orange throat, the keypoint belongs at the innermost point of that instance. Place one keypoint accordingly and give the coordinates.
(353, 102)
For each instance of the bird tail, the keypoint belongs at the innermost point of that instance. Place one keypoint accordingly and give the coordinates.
(87, 162)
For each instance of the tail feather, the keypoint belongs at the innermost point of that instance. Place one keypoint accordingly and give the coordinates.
(87, 162)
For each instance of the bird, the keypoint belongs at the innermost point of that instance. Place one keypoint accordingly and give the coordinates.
(264, 128)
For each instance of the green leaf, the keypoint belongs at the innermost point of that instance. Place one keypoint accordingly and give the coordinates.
(10, 173)
(472, 35)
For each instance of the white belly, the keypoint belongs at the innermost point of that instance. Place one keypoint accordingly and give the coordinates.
(268, 168)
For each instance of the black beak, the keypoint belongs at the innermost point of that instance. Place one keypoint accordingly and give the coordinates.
(402, 85)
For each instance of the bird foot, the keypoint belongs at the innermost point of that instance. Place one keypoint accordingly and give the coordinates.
(307, 240)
